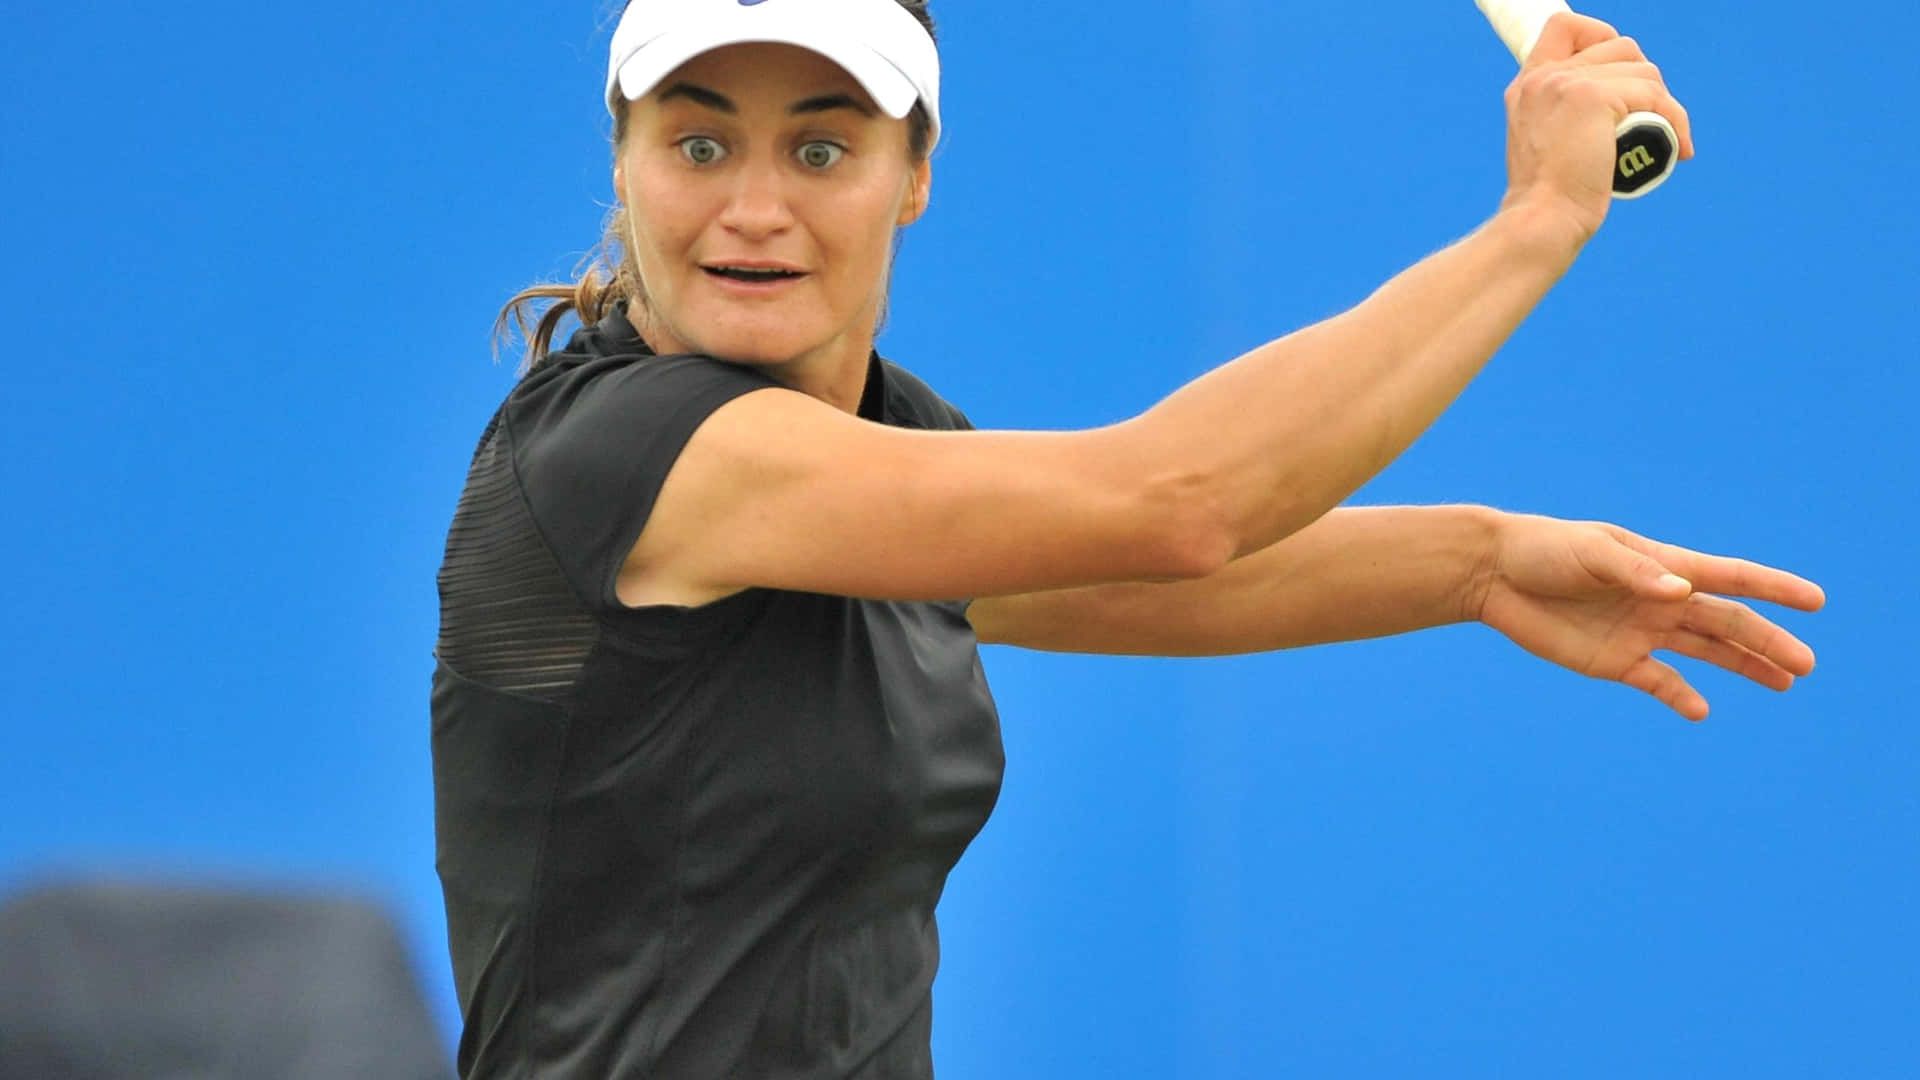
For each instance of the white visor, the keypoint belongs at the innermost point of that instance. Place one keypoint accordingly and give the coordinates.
(878, 42)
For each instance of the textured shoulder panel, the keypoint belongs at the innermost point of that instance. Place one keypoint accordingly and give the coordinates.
(508, 618)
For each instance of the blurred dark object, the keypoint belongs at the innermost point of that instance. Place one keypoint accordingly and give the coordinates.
(118, 982)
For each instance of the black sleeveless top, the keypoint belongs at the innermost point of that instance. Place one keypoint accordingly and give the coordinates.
(685, 842)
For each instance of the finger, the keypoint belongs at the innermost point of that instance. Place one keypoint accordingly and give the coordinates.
(1567, 34)
(1652, 95)
(1614, 55)
(1740, 577)
(1729, 576)
(1627, 93)
(1667, 687)
(1643, 70)
(1609, 50)
(1590, 42)
(1725, 654)
(1730, 620)
(1633, 95)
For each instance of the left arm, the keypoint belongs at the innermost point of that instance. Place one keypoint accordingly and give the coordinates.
(1591, 597)
(1357, 572)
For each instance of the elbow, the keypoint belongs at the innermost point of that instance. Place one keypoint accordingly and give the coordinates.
(1191, 534)
(1187, 513)
(1200, 524)
(1197, 554)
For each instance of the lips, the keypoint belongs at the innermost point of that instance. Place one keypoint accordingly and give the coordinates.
(753, 273)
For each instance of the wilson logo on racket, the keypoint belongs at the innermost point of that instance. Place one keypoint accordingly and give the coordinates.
(1635, 160)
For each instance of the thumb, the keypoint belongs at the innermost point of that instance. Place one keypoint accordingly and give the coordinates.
(1646, 576)
(1638, 572)
(1567, 34)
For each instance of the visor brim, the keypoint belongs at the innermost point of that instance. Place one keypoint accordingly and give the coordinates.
(642, 72)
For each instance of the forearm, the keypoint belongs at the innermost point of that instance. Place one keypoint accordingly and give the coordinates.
(1280, 436)
(1355, 573)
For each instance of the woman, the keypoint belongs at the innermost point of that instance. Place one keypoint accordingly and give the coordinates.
(710, 727)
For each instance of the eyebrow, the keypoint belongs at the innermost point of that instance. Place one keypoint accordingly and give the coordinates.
(830, 102)
(700, 95)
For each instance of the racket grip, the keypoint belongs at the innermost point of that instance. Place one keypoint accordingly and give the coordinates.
(1648, 149)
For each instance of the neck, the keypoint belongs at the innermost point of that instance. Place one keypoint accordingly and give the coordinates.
(834, 372)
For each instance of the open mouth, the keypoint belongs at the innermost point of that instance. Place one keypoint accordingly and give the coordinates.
(753, 275)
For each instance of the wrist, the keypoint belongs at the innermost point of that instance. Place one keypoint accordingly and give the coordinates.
(1543, 228)
(1486, 526)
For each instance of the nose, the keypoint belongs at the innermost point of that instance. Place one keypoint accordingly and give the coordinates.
(758, 208)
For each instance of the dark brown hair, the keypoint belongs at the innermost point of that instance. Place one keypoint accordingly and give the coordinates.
(608, 276)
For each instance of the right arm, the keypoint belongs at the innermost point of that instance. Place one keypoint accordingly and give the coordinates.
(780, 490)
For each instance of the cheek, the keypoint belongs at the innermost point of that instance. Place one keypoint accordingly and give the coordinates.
(861, 228)
(666, 218)
(666, 239)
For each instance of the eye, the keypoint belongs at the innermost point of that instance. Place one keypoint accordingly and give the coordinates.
(702, 150)
(821, 155)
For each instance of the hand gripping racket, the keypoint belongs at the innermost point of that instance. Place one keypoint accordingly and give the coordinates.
(1647, 144)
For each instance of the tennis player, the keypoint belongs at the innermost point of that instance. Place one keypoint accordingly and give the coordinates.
(709, 722)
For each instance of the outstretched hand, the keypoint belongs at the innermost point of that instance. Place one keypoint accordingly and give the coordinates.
(1601, 600)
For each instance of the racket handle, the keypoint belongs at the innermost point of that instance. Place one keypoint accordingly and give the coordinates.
(1648, 149)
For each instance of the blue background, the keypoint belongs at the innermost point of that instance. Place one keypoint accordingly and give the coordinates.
(253, 251)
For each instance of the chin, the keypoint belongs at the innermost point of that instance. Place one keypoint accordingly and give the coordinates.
(770, 342)
(752, 349)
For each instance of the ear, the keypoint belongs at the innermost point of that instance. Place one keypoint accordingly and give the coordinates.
(620, 179)
(919, 190)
